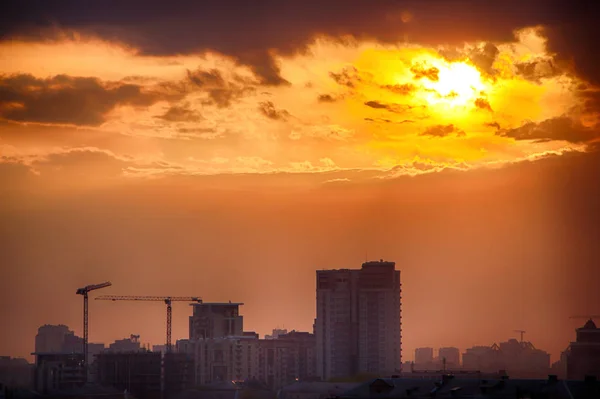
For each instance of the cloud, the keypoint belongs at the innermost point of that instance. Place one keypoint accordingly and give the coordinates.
(484, 57)
(421, 71)
(443, 131)
(402, 89)
(484, 104)
(536, 70)
(493, 124)
(348, 77)
(238, 29)
(395, 108)
(220, 91)
(326, 98)
(65, 99)
(561, 128)
(322, 132)
(181, 113)
(268, 109)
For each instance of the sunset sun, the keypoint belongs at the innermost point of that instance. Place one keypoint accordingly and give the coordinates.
(456, 84)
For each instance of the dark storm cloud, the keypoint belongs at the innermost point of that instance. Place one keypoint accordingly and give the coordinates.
(484, 104)
(561, 128)
(65, 99)
(248, 30)
(268, 109)
(442, 131)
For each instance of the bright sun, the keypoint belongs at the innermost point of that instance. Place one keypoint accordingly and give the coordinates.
(458, 84)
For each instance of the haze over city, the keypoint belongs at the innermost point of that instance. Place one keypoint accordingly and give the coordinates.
(232, 149)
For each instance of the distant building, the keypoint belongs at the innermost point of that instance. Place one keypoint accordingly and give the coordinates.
(178, 372)
(51, 338)
(56, 372)
(289, 358)
(358, 324)
(215, 320)
(423, 356)
(225, 359)
(450, 357)
(276, 333)
(16, 372)
(583, 357)
(518, 359)
(136, 372)
(131, 344)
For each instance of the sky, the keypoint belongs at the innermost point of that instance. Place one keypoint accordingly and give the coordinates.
(229, 149)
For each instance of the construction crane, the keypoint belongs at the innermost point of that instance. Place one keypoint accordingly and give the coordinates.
(84, 291)
(522, 332)
(166, 299)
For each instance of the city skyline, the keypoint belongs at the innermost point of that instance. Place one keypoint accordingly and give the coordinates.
(406, 356)
(229, 149)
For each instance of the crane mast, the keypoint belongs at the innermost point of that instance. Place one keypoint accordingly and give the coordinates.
(84, 292)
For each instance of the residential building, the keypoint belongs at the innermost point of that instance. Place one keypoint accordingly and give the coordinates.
(51, 338)
(16, 372)
(137, 372)
(288, 358)
(178, 372)
(58, 371)
(215, 320)
(358, 324)
(225, 359)
(276, 333)
(518, 359)
(449, 357)
(423, 356)
(131, 344)
(583, 357)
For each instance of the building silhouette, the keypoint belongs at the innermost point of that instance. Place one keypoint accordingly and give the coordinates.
(518, 359)
(358, 324)
(583, 356)
(215, 320)
(449, 358)
(423, 357)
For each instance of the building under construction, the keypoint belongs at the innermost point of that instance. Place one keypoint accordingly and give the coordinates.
(136, 372)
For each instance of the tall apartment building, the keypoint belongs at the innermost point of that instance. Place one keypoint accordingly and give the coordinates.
(358, 324)
(216, 320)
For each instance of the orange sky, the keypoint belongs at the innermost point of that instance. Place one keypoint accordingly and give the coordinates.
(187, 174)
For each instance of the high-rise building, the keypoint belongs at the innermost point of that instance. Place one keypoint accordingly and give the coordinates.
(423, 356)
(216, 320)
(358, 324)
